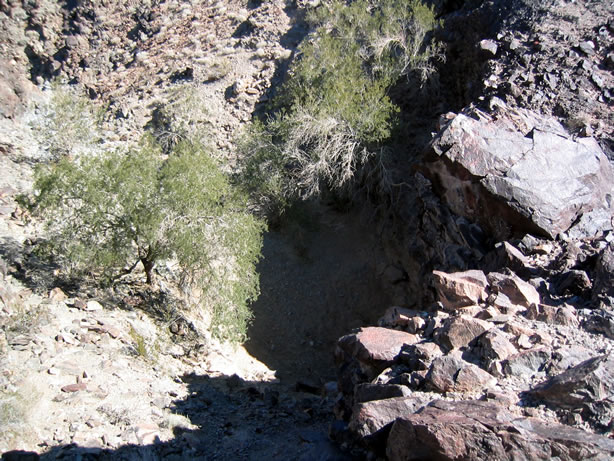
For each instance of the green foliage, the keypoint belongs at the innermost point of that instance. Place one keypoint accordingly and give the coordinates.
(334, 113)
(109, 212)
(67, 122)
(263, 172)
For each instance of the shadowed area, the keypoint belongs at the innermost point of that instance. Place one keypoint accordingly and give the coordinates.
(318, 280)
(232, 419)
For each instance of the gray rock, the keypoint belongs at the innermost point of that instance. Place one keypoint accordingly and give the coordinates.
(525, 176)
(589, 382)
(489, 46)
(588, 47)
(603, 287)
(600, 322)
(420, 356)
(567, 357)
(527, 363)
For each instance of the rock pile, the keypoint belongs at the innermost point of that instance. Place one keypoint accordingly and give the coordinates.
(500, 365)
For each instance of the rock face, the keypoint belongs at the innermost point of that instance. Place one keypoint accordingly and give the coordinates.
(525, 175)
(475, 430)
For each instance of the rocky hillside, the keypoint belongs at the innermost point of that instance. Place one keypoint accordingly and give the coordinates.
(473, 301)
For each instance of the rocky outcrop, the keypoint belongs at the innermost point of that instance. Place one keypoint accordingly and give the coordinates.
(518, 172)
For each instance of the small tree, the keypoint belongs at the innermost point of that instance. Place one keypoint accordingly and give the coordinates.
(112, 211)
(334, 116)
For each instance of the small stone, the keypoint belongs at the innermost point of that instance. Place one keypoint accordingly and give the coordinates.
(79, 304)
(93, 306)
(74, 387)
(489, 46)
(57, 295)
(113, 332)
(588, 47)
(147, 434)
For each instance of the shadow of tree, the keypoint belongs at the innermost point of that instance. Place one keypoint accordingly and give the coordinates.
(235, 420)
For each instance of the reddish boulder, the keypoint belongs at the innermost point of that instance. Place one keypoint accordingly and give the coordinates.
(371, 417)
(477, 430)
(374, 348)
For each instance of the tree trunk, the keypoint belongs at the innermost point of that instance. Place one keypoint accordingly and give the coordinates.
(148, 266)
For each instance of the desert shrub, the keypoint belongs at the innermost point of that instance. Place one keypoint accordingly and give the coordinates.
(67, 122)
(106, 214)
(181, 116)
(333, 115)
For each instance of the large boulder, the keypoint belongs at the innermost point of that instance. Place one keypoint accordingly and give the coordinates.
(519, 173)
(589, 382)
(477, 430)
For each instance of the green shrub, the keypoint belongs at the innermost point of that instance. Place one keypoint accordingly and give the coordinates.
(107, 213)
(334, 112)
